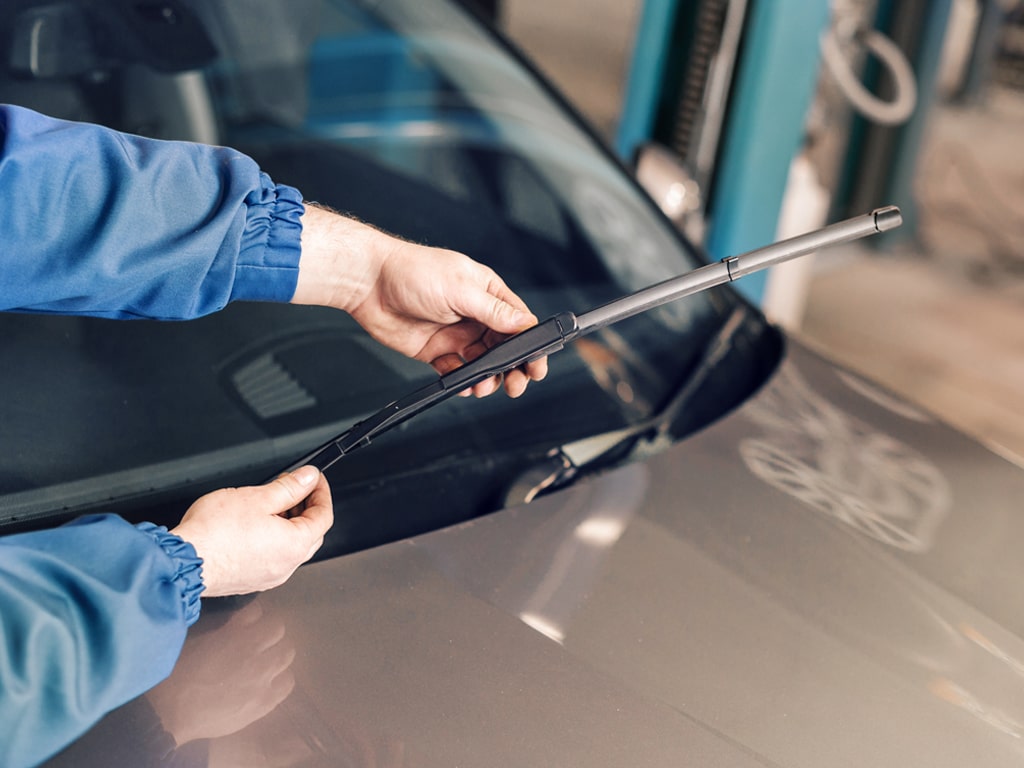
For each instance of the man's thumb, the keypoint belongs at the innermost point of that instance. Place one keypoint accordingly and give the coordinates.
(291, 488)
(503, 317)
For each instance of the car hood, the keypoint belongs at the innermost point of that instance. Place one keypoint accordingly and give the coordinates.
(825, 577)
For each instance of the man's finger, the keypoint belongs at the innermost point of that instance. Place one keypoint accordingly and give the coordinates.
(537, 369)
(447, 363)
(515, 383)
(487, 386)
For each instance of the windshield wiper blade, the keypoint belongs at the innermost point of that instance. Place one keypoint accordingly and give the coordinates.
(553, 334)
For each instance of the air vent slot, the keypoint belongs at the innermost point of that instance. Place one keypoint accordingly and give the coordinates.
(269, 389)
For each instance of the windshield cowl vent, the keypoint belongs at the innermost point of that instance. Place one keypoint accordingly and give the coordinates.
(270, 390)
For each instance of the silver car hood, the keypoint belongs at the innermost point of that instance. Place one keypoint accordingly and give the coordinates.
(826, 577)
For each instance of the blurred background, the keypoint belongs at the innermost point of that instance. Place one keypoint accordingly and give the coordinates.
(776, 116)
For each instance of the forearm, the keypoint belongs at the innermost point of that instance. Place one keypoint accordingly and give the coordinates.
(93, 614)
(103, 223)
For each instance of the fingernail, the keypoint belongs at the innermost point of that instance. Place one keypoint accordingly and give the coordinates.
(306, 475)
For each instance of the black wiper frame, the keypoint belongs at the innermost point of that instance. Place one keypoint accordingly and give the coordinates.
(553, 334)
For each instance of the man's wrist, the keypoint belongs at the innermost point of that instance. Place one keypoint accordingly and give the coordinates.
(340, 260)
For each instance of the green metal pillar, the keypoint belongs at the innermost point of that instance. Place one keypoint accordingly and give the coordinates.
(774, 86)
(647, 75)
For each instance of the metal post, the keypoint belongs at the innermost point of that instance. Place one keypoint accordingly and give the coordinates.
(646, 75)
(773, 89)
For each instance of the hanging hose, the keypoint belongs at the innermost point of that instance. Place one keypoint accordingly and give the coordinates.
(866, 103)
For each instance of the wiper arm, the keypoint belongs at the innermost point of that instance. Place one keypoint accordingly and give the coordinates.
(563, 464)
(553, 334)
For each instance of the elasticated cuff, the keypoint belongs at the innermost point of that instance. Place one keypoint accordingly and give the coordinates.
(268, 262)
(189, 567)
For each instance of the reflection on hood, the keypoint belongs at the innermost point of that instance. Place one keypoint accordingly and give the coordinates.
(844, 468)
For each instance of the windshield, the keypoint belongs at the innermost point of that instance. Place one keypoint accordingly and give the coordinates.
(404, 113)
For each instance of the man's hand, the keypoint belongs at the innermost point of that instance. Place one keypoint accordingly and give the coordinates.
(431, 304)
(252, 539)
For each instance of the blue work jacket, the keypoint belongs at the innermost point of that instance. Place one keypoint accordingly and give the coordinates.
(96, 222)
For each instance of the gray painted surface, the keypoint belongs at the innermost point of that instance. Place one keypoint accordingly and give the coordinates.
(825, 577)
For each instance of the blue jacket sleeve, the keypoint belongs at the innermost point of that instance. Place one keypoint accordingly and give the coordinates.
(92, 614)
(97, 222)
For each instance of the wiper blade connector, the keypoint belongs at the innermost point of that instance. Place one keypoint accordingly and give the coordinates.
(553, 334)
